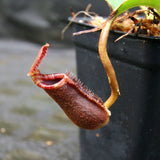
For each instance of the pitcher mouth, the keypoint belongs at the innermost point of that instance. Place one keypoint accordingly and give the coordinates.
(49, 81)
(45, 81)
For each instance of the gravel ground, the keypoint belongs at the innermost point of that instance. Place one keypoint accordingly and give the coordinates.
(32, 126)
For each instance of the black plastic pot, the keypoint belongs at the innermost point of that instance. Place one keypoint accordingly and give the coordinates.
(133, 132)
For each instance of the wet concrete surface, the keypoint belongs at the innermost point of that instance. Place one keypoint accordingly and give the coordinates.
(32, 126)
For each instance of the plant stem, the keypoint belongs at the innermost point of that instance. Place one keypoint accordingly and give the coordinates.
(107, 64)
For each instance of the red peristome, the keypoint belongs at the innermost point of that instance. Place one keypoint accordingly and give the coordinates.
(83, 108)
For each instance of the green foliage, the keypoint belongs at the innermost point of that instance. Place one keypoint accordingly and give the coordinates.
(123, 5)
(114, 4)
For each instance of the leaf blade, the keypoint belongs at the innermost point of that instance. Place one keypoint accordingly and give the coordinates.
(114, 4)
(135, 3)
(121, 6)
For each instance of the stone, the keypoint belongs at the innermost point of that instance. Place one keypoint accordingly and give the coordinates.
(7, 127)
(45, 134)
(24, 110)
(21, 154)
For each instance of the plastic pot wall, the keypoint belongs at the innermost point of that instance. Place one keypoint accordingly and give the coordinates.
(133, 132)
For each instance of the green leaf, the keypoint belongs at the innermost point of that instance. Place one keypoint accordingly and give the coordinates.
(134, 3)
(121, 6)
(114, 4)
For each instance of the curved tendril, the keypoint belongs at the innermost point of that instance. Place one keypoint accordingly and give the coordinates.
(107, 64)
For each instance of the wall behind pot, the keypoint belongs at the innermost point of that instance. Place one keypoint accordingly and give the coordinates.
(40, 20)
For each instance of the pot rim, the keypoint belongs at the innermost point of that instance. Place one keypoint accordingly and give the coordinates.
(140, 36)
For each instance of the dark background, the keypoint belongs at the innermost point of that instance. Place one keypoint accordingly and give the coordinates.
(41, 21)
